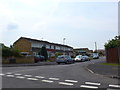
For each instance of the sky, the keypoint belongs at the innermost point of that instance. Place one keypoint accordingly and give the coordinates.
(80, 22)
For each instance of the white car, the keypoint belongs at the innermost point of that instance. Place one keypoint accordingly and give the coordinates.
(95, 56)
(78, 58)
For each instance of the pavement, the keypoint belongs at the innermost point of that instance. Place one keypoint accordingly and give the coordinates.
(28, 64)
(105, 70)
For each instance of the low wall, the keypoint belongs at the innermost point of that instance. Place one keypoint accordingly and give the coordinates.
(19, 60)
(113, 55)
(52, 59)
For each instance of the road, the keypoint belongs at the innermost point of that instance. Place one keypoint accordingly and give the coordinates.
(56, 76)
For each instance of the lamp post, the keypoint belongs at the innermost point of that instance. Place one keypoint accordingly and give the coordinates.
(64, 44)
(64, 41)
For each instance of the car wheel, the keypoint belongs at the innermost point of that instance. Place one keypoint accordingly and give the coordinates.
(35, 61)
(66, 62)
(73, 61)
(58, 63)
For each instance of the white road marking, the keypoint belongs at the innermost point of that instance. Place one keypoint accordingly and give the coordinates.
(71, 81)
(25, 70)
(32, 79)
(91, 83)
(28, 75)
(63, 83)
(20, 77)
(85, 86)
(90, 70)
(117, 86)
(2, 74)
(47, 81)
(17, 74)
(39, 77)
(10, 75)
(54, 78)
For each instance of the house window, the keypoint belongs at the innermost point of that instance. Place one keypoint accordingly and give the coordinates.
(44, 45)
(50, 46)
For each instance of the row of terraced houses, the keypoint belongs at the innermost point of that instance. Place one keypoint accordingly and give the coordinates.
(32, 47)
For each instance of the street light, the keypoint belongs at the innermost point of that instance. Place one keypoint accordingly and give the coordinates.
(64, 44)
(64, 41)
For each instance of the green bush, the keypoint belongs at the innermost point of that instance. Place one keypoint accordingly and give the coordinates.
(114, 43)
(8, 52)
(58, 54)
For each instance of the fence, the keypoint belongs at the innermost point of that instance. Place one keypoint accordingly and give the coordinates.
(113, 55)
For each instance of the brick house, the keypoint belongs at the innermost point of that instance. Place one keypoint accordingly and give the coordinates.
(32, 47)
(101, 52)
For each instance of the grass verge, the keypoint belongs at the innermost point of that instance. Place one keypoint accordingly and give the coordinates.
(112, 64)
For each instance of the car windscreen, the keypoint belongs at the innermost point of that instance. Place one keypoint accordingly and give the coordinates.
(37, 56)
(42, 56)
(68, 58)
(60, 57)
(78, 56)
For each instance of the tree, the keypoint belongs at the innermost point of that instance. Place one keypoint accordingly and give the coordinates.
(113, 43)
(44, 52)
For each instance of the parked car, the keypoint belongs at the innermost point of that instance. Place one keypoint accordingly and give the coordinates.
(64, 59)
(38, 58)
(78, 58)
(85, 58)
(95, 56)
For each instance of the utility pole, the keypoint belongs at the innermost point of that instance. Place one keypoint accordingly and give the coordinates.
(95, 46)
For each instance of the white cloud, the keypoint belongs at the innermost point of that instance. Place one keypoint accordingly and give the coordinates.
(89, 0)
(46, 19)
(81, 22)
(7, 19)
(5, 14)
(37, 2)
(4, 10)
(28, 2)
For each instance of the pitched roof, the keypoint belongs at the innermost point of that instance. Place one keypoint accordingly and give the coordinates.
(42, 41)
(81, 49)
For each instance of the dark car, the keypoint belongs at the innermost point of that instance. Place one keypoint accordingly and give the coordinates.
(38, 58)
(64, 59)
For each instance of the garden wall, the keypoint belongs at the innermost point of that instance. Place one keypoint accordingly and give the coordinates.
(19, 60)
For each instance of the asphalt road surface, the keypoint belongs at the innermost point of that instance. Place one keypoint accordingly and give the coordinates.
(56, 76)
